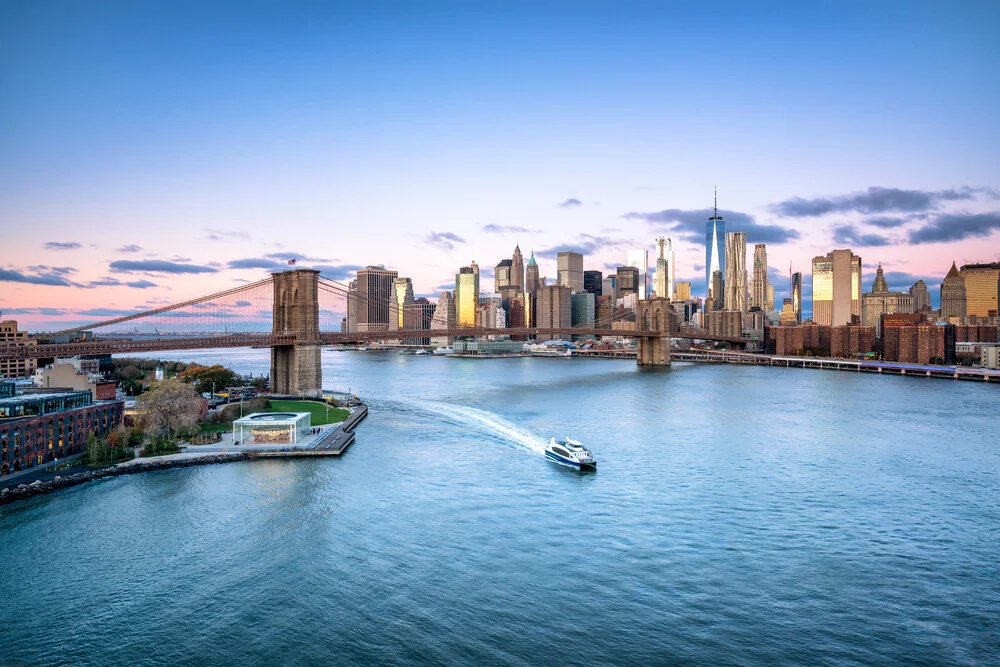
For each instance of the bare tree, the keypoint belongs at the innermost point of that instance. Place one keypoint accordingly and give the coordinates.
(170, 407)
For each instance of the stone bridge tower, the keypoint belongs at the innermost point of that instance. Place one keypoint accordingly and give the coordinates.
(653, 331)
(296, 369)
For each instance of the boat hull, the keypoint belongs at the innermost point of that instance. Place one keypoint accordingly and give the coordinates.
(552, 456)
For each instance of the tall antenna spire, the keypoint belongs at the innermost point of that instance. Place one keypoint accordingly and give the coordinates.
(717, 201)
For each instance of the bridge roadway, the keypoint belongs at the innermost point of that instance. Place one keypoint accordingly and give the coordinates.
(165, 343)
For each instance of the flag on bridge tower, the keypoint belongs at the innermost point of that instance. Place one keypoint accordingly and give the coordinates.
(291, 262)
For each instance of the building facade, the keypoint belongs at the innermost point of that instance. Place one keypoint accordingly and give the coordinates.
(627, 281)
(735, 279)
(921, 296)
(682, 291)
(880, 301)
(38, 428)
(376, 291)
(531, 280)
(715, 256)
(554, 309)
(593, 282)
(982, 288)
(517, 269)
(502, 275)
(723, 323)
(758, 284)
(583, 307)
(569, 266)
(639, 258)
(836, 288)
(953, 301)
(418, 315)
(16, 368)
(466, 296)
(403, 292)
(444, 318)
(797, 296)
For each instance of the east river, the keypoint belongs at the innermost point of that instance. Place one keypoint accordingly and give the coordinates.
(744, 515)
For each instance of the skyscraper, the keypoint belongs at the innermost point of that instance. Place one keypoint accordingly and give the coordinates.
(921, 297)
(404, 298)
(797, 296)
(569, 265)
(639, 258)
(375, 292)
(466, 296)
(758, 285)
(735, 279)
(627, 280)
(502, 275)
(554, 309)
(531, 282)
(836, 288)
(592, 282)
(517, 269)
(444, 317)
(660, 279)
(682, 291)
(982, 288)
(715, 253)
(953, 297)
(351, 321)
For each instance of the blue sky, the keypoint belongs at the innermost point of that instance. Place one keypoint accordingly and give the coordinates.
(426, 135)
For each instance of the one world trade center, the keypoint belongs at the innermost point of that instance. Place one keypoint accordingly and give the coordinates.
(715, 259)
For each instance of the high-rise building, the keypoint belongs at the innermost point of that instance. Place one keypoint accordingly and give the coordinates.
(921, 297)
(735, 279)
(444, 317)
(770, 297)
(554, 309)
(16, 368)
(982, 289)
(418, 315)
(502, 275)
(376, 291)
(609, 287)
(404, 298)
(639, 258)
(836, 288)
(797, 295)
(466, 296)
(953, 297)
(682, 291)
(627, 280)
(715, 255)
(517, 269)
(353, 305)
(531, 281)
(671, 277)
(880, 301)
(660, 277)
(592, 282)
(715, 292)
(758, 284)
(584, 309)
(569, 266)
(520, 312)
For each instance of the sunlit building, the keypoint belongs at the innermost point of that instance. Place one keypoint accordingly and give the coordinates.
(880, 301)
(404, 298)
(921, 296)
(682, 291)
(715, 257)
(16, 368)
(982, 288)
(466, 296)
(759, 294)
(836, 288)
(517, 269)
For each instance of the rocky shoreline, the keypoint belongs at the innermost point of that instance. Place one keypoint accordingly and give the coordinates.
(36, 488)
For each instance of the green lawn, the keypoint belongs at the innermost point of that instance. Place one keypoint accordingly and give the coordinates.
(318, 410)
(222, 427)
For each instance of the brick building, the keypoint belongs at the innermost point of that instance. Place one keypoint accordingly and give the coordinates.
(38, 428)
(915, 343)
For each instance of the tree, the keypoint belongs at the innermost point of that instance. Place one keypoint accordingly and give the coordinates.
(170, 407)
(204, 377)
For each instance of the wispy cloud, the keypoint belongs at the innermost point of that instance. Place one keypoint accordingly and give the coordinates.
(876, 200)
(956, 227)
(690, 225)
(443, 240)
(140, 284)
(570, 203)
(61, 245)
(508, 229)
(157, 266)
(338, 271)
(221, 235)
(129, 248)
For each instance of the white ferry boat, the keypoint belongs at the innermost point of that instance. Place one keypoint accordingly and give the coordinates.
(570, 452)
(443, 350)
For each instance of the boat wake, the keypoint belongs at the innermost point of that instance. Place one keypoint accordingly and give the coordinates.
(481, 421)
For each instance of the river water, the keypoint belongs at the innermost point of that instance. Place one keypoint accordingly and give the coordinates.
(742, 515)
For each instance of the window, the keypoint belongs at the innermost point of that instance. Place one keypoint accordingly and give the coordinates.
(559, 451)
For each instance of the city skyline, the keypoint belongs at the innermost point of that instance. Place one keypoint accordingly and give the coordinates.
(257, 158)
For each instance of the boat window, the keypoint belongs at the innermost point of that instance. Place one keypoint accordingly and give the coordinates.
(559, 451)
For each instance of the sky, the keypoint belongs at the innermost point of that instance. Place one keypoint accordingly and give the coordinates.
(152, 152)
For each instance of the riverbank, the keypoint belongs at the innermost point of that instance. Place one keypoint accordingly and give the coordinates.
(183, 460)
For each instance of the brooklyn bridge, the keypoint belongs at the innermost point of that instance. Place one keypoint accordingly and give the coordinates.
(296, 312)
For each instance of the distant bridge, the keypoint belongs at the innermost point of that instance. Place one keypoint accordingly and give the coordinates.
(304, 311)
